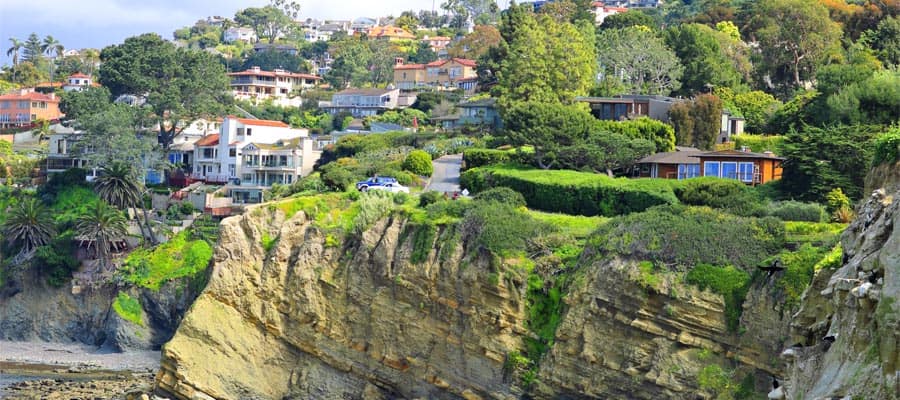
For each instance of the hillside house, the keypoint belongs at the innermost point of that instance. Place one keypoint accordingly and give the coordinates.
(241, 33)
(750, 168)
(389, 33)
(478, 113)
(679, 164)
(283, 87)
(362, 102)
(601, 10)
(25, 107)
(265, 164)
(449, 74)
(78, 82)
(282, 48)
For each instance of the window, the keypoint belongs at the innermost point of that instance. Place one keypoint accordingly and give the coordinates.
(231, 170)
(282, 161)
(711, 168)
(4, 105)
(23, 104)
(240, 131)
(745, 171)
(4, 117)
(249, 131)
(729, 170)
(232, 152)
(686, 171)
(208, 153)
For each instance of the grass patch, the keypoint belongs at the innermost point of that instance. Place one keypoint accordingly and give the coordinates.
(812, 232)
(177, 258)
(578, 226)
(799, 270)
(268, 242)
(728, 281)
(129, 308)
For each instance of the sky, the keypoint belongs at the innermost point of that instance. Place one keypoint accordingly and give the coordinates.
(80, 24)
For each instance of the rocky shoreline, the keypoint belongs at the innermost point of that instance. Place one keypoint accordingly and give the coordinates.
(36, 370)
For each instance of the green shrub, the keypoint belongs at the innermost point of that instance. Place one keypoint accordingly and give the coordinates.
(727, 194)
(336, 177)
(57, 260)
(799, 268)
(430, 197)
(660, 133)
(419, 163)
(268, 242)
(797, 211)
(503, 195)
(684, 236)
(887, 147)
(423, 242)
(500, 228)
(836, 200)
(373, 205)
(129, 308)
(759, 143)
(474, 158)
(177, 258)
(573, 192)
(728, 281)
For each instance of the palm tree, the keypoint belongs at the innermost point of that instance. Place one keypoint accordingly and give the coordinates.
(13, 51)
(101, 227)
(90, 57)
(120, 187)
(50, 46)
(29, 225)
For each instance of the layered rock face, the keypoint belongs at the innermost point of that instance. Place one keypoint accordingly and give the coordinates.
(35, 311)
(308, 321)
(311, 321)
(848, 329)
(621, 340)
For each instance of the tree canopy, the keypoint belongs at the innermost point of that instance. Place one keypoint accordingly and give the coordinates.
(638, 59)
(179, 84)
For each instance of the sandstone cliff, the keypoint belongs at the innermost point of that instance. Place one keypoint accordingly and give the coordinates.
(847, 333)
(32, 310)
(312, 319)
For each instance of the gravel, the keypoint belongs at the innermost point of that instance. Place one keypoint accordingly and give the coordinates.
(78, 355)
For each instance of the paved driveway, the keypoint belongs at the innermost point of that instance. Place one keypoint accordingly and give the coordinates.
(445, 177)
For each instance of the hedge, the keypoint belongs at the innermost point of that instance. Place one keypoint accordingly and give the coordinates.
(572, 192)
(474, 158)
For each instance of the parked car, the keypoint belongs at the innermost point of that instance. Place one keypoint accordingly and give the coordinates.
(392, 187)
(373, 182)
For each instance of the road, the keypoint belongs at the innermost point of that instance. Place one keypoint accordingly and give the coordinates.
(445, 177)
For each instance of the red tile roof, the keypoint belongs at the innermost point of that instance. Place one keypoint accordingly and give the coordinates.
(409, 66)
(79, 75)
(274, 74)
(262, 122)
(208, 140)
(462, 61)
(30, 96)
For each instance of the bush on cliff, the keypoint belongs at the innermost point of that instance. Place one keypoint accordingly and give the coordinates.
(727, 194)
(728, 281)
(177, 258)
(680, 236)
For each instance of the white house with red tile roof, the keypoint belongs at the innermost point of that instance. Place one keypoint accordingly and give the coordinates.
(601, 11)
(78, 82)
(218, 158)
(283, 87)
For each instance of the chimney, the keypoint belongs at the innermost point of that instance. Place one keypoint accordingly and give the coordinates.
(398, 61)
(745, 149)
(769, 153)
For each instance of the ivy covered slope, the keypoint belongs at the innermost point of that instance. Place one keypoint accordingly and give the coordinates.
(420, 296)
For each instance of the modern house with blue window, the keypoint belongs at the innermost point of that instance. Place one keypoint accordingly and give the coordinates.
(687, 162)
(750, 168)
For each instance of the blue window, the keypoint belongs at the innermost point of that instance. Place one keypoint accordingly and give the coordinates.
(711, 168)
(745, 170)
(686, 171)
(729, 170)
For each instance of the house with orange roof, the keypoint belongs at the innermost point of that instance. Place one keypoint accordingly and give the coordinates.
(449, 74)
(227, 157)
(601, 10)
(283, 87)
(24, 107)
(390, 33)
